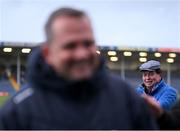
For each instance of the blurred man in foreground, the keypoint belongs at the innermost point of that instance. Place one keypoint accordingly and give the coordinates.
(153, 85)
(167, 120)
(69, 87)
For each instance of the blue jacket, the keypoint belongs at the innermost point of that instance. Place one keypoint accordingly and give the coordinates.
(163, 93)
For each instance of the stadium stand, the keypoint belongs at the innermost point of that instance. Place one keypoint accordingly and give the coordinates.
(120, 60)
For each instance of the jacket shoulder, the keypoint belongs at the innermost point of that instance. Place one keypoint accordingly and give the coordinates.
(121, 87)
(170, 90)
(17, 100)
(116, 80)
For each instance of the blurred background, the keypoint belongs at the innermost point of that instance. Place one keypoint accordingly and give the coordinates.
(128, 33)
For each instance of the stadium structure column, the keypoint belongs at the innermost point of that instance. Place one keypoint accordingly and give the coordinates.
(169, 74)
(18, 69)
(122, 68)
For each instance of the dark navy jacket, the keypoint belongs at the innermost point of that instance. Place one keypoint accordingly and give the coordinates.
(163, 93)
(51, 102)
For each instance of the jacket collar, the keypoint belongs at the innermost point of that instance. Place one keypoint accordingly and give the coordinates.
(41, 75)
(156, 87)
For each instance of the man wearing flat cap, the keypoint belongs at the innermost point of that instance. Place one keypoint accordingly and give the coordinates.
(153, 85)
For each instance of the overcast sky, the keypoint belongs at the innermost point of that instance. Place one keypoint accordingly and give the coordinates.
(139, 23)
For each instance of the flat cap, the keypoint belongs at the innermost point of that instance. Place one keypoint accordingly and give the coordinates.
(151, 65)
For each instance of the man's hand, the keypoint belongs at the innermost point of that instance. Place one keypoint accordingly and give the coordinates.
(154, 105)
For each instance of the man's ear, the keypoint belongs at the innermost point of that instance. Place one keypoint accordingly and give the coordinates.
(46, 53)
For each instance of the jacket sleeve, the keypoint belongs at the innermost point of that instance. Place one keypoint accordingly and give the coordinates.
(170, 120)
(168, 99)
